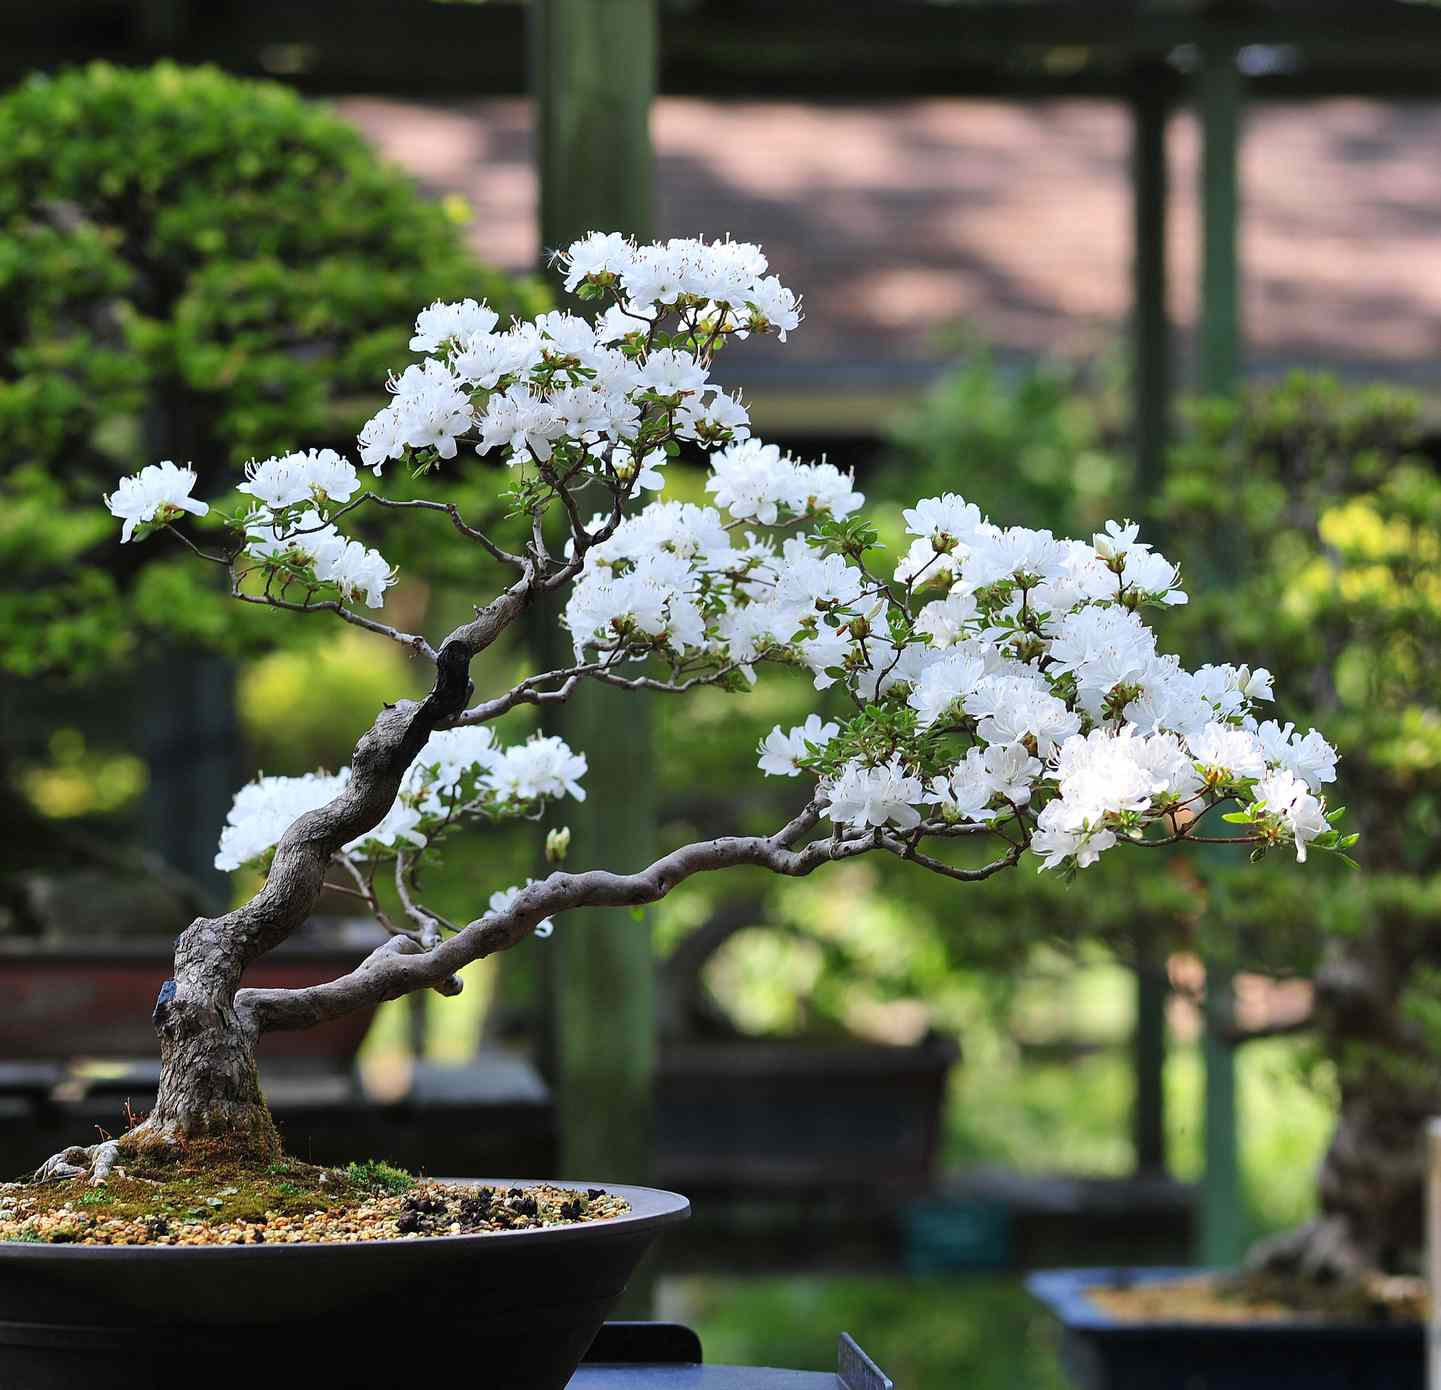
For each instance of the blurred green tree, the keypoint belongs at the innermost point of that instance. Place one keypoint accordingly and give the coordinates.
(191, 265)
(209, 269)
(1330, 519)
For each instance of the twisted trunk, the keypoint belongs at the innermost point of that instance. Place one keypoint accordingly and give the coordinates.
(1372, 1180)
(209, 1086)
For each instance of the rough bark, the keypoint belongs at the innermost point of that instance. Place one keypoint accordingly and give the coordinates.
(209, 1087)
(1372, 1180)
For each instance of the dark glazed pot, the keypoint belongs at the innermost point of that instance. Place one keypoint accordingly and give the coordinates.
(1102, 1352)
(515, 1310)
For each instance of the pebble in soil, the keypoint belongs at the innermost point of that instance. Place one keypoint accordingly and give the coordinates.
(212, 1202)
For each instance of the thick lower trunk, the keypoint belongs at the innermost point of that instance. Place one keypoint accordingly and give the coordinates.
(209, 1086)
(1372, 1181)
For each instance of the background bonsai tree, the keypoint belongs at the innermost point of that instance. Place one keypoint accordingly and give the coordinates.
(191, 265)
(1006, 696)
(1330, 524)
(1307, 520)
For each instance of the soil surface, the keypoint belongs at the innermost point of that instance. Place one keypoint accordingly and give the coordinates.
(286, 1203)
(1253, 1298)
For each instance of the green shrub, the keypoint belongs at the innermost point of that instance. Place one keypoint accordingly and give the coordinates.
(194, 266)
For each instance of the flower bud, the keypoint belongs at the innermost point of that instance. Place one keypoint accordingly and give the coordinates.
(557, 845)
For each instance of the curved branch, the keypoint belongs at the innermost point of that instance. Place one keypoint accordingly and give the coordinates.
(213, 951)
(905, 849)
(453, 512)
(414, 641)
(392, 971)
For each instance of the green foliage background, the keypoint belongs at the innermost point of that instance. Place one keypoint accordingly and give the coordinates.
(196, 265)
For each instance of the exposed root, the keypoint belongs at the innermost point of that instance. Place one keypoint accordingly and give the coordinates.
(95, 1161)
(1322, 1252)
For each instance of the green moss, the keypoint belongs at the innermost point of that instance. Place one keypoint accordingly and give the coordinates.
(380, 1176)
(209, 1188)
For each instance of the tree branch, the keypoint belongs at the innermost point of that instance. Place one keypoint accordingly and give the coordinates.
(412, 640)
(213, 952)
(453, 512)
(393, 970)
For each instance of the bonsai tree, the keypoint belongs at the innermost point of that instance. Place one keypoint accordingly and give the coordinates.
(1006, 697)
(1331, 522)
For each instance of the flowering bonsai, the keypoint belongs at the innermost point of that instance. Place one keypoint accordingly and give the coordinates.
(996, 692)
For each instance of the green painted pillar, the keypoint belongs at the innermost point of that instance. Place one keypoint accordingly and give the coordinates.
(593, 65)
(1150, 319)
(1219, 97)
(1151, 386)
(1219, 94)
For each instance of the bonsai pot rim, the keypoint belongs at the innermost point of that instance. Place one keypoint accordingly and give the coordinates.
(1066, 1293)
(141, 1317)
(651, 1208)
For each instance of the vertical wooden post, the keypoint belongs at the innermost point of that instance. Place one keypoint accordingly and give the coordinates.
(1151, 384)
(1150, 319)
(1223, 1225)
(593, 75)
(1219, 94)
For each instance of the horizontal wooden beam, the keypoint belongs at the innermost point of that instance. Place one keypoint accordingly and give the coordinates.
(750, 48)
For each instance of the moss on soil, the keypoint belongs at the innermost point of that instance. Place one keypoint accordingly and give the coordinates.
(1252, 1298)
(209, 1197)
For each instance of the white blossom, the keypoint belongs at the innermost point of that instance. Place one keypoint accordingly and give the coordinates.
(445, 322)
(1310, 757)
(864, 797)
(1287, 798)
(159, 492)
(318, 475)
(1236, 753)
(781, 752)
(542, 767)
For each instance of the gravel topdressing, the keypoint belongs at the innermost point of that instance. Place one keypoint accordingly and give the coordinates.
(288, 1204)
(1257, 1298)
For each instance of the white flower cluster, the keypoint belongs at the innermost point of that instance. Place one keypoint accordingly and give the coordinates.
(754, 481)
(726, 278)
(1000, 680)
(314, 477)
(459, 774)
(559, 381)
(264, 809)
(158, 493)
(307, 545)
(1035, 666)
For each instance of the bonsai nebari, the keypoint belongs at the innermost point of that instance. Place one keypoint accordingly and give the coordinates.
(1005, 695)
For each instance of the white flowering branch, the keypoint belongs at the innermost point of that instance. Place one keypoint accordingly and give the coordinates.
(1003, 685)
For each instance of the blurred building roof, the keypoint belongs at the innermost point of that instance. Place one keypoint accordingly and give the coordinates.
(908, 225)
